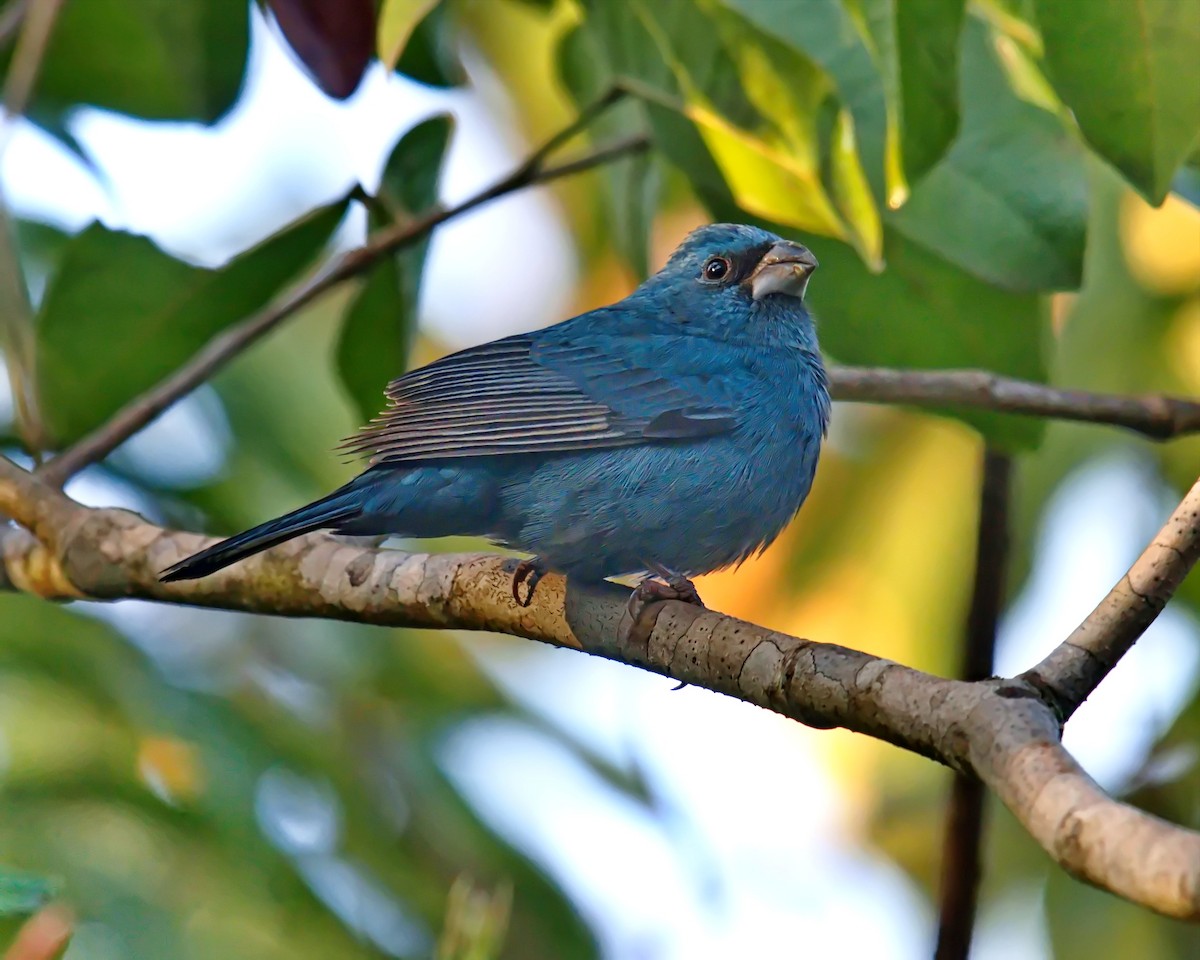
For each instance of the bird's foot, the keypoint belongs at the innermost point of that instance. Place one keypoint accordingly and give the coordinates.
(652, 590)
(663, 584)
(527, 570)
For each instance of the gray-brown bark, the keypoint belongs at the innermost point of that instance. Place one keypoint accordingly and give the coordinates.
(1006, 732)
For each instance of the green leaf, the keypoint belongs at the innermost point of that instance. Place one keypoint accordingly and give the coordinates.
(825, 32)
(916, 44)
(737, 112)
(789, 92)
(410, 177)
(636, 184)
(1127, 69)
(22, 893)
(156, 59)
(1009, 202)
(852, 193)
(40, 241)
(610, 47)
(397, 21)
(40, 246)
(430, 53)
(631, 185)
(376, 333)
(380, 321)
(120, 314)
(925, 313)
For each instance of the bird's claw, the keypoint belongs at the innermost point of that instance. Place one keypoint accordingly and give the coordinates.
(653, 590)
(530, 570)
(664, 584)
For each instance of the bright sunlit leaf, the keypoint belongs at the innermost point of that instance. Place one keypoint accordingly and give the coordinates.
(397, 21)
(853, 193)
(765, 180)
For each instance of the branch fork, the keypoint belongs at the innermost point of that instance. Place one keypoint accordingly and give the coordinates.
(1002, 731)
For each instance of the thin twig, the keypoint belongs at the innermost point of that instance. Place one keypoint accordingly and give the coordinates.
(17, 338)
(963, 841)
(1158, 417)
(36, 22)
(225, 346)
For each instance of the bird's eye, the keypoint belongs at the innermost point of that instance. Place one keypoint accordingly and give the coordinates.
(715, 268)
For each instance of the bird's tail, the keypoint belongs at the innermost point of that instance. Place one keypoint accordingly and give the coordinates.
(330, 511)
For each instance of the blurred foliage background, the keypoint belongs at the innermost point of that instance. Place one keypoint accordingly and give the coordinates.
(1001, 184)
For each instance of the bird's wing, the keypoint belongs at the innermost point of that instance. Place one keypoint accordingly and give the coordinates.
(521, 395)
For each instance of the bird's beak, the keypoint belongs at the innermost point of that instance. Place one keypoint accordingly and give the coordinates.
(785, 268)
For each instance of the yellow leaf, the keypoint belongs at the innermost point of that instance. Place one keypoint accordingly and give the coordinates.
(894, 177)
(766, 181)
(397, 21)
(853, 194)
(773, 173)
(1026, 77)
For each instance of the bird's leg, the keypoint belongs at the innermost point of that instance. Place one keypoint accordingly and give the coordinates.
(663, 584)
(531, 570)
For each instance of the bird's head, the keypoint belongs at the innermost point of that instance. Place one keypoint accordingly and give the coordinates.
(740, 282)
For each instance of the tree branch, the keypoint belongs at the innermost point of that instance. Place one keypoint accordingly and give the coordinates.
(963, 840)
(229, 343)
(1069, 674)
(1158, 417)
(1002, 731)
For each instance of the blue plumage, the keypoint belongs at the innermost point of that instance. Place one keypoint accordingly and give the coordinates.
(677, 430)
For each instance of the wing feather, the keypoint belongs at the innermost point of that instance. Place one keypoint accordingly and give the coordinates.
(504, 398)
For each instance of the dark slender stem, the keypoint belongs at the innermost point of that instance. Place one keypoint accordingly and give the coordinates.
(991, 564)
(228, 344)
(962, 845)
(963, 840)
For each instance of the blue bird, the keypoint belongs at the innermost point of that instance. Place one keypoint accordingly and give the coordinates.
(673, 433)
